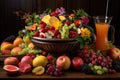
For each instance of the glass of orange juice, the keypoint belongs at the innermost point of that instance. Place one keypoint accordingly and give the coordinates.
(102, 25)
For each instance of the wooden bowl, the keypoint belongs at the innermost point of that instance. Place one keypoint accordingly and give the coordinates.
(56, 47)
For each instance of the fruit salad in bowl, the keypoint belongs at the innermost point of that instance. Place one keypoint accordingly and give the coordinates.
(58, 26)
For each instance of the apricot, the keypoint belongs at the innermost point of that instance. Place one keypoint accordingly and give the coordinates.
(17, 41)
(15, 50)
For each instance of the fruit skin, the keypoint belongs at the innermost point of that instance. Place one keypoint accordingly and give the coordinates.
(6, 52)
(27, 59)
(64, 62)
(17, 41)
(8, 68)
(40, 61)
(77, 63)
(11, 61)
(39, 70)
(15, 50)
(114, 53)
(6, 46)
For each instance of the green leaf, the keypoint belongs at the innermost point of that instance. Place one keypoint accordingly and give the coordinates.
(91, 29)
(80, 39)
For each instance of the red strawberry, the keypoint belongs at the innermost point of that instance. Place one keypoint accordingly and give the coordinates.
(56, 32)
(52, 13)
(52, 28)
(73, 34)
(50, 58)
(6, 52)
(36, 34)
(42, 24)
(59, 36)
(44, 53)
(68, 23)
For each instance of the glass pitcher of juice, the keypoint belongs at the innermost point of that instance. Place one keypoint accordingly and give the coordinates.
(102, 25)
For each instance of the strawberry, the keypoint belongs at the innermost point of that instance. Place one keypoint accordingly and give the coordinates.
(68, 23)
(50, 58)
(73, 34)
(6, 52)
(59, 36)
(52, 14)
(36, 34)
(56, 32)
(52, 28)
(42, 24)
(44, 53)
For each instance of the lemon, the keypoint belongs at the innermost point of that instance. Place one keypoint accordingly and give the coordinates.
(40, 61)
(46, 19)
(39, 70)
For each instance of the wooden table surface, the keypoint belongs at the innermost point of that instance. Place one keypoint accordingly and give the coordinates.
(67, 75)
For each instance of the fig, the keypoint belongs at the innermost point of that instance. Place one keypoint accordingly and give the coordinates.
(11, 69)
(39, 70)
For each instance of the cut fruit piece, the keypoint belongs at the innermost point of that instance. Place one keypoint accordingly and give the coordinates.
(55, 22)
(38, 70)
(11, 69)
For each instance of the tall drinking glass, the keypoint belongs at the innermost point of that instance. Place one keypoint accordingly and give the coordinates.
(102, 25)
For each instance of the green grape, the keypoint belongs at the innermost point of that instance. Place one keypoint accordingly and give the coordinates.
(105, 69)
(65, 32)
(23, 45)
(24, 51)
(100, 72)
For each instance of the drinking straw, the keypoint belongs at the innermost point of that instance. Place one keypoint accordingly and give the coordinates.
(106, 11)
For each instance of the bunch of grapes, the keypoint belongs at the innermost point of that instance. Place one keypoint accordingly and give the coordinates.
(53, 70)
(100, 64)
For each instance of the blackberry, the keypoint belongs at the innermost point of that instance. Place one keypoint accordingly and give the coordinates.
(116, 65)
(86, 69)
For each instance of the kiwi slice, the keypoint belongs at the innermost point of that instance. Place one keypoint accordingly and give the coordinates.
(39, 70)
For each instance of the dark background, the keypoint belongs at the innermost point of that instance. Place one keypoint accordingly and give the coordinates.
(10, 24)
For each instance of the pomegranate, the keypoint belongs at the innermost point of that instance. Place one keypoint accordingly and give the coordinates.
(25, 67)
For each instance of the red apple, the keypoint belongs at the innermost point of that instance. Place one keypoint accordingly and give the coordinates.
(64, 62)
(77, 63)
(11, 61)
(114, 53)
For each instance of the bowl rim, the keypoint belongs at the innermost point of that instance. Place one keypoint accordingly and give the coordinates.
(52, 40)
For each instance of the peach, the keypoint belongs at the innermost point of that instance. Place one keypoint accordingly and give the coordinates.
(15, 50)
(17, 41)
(6, 46)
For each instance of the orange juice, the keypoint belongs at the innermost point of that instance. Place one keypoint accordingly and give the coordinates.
(102, 36)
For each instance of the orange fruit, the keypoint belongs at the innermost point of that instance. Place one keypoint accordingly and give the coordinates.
(17, 41)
